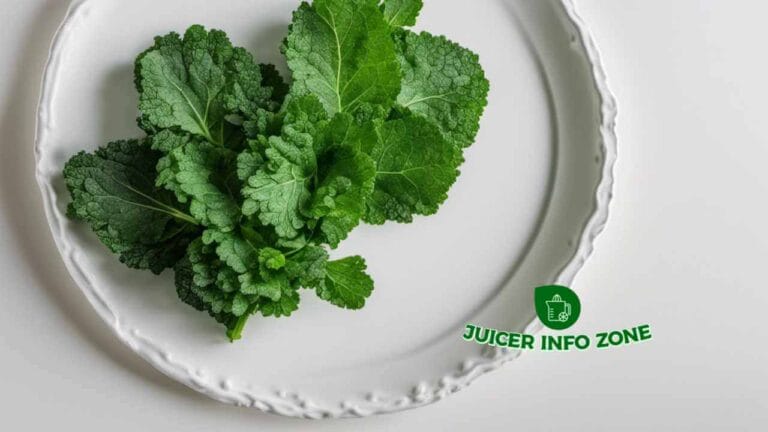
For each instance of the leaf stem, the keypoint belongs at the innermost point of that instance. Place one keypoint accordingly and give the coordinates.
(236, 333)
(164, 208)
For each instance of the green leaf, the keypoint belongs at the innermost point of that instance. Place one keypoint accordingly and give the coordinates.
(240, 305)
(222, 287)
(180, 82)
(443, 82)
(248, 164)
(227, 280)
(193, 295)
(305, 114)
(199, 172)
(232, 248)
(163, 254)
(279, 190)
(245, 91)
(114, 192)
(342, 51)
(184, 279)
(167, 166)
(216, 285)
(288, 303)
(340, 200)
(402, 13)
(415, 168)
(271, 78)
(190, 83)
(271, 288)
(346, 283)
(271, 259)
(258, 271)
(262, 125)
(308, 266)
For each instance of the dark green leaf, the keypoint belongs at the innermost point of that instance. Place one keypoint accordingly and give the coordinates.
(114, 192)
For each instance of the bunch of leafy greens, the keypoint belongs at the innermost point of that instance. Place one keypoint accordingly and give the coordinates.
(243, 181)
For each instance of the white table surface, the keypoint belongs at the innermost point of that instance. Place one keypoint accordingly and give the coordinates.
(685, 251)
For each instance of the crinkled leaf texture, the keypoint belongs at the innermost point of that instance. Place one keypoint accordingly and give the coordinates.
(402, 13)
(191, 83)
(191, 294)
(307, 266)
(207, 280)
(201, 173)
(342, 51)
(279, 192)
(443, 82)
(346, 183)
(272, 80)
(415, 168)
(114, 192)
(346, 283)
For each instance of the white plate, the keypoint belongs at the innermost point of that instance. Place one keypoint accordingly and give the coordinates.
(532, 197)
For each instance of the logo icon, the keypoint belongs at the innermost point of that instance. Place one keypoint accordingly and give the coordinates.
(558, 310)
(558, 307)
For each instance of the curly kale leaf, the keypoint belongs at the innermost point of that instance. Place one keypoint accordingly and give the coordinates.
(315, 175)
(209, 283)
(287, 304)
(202, 174)
(305, 114)
(271, 79)
(415, 168)
(346, 284)
(193, 83)
(343, 282)
(233, 249)
(196, 285)
(163, 254)
(307, 266)
(342, 51)
(190, 294)
(114, 192)
(249, 163)
(443, 82)
(259, 268)
(252, 87)
(339, 201)
(402, 13)
(278, 193)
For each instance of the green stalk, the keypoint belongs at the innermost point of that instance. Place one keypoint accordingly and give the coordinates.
(236, 333)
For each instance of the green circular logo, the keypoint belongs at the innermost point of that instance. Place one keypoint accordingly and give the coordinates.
(558, 307)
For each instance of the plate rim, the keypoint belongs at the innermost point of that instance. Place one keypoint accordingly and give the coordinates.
(292, 404)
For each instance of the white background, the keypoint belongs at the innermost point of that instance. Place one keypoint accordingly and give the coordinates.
(685, 250)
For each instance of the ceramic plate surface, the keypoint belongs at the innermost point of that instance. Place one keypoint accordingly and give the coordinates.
(532, 196)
